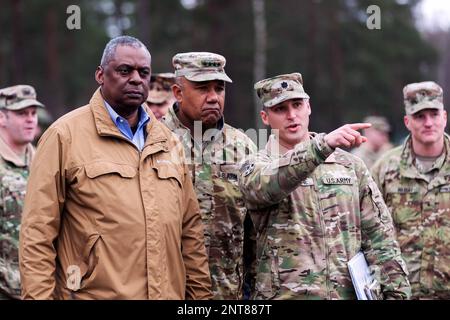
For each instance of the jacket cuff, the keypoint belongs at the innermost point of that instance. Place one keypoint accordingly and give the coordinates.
(321, 146)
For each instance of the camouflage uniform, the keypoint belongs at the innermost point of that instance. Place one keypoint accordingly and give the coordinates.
(364, 152)
(313, 210)
(420, 208)
(214, 169)
(13, 181)
(369, 156)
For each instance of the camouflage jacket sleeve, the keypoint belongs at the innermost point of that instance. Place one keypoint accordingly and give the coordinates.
(265, 181)
(198, 279)
(377, 174)
(379, 242)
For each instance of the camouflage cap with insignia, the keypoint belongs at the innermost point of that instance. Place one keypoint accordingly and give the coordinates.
(200, 66)
(275, 90)
(422, 95)
(18, 97)
(378, 122)
(160, 87)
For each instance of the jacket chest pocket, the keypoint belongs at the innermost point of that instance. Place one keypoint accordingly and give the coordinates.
(168, 192)
(103, 181)
(99, 169)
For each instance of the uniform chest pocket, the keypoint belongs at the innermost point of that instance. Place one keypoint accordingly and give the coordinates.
(337, 193)
(12, 196)
(226, 190)
(405, 205)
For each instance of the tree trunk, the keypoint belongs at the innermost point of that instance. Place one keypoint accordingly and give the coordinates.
(446, 69)
(259, 67)
(313, 65)
(17, 57)
(336, 58)
(118, 16)
(143, 21)
(55, 95)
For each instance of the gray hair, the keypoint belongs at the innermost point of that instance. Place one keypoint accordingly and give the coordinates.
(110, 48)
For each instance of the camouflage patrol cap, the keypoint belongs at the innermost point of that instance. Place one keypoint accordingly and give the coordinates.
(378, 122)
(273, 91)
(18, 97)
(160, 87)
(166, 79)
(422, 95)
(200, 66)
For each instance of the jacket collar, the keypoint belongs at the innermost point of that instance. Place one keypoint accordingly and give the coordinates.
(409, 170)
(173, 122)
(106, 127)
(9, 155)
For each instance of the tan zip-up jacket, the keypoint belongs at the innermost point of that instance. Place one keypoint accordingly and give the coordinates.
(103, 220)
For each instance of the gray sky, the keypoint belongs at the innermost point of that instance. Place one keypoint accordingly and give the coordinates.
(433, 14)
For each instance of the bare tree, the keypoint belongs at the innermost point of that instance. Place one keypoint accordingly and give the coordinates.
(260, 55)
(55, 94)
(143, 20)
(17, 58)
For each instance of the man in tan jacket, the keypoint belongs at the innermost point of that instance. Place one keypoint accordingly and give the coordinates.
(111, 212)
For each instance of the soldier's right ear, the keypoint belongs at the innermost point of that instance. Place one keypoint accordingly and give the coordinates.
(177, 92)
(264, 117)
(99, 75)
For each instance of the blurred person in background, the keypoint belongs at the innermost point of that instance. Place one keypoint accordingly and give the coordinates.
(160, 96)
(18, 125)
(45, 119)
(377, 140)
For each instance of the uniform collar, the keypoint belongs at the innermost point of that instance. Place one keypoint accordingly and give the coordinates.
(9, 155)
(407, 165)
(173, 122)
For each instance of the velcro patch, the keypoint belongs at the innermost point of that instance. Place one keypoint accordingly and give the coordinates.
(341, 180)
(227, 176)
(404, 190)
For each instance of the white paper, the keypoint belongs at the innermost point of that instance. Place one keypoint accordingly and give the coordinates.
(360, 274)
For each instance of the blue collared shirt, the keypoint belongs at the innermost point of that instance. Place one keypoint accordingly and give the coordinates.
(138, 138)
